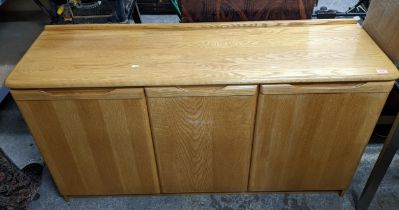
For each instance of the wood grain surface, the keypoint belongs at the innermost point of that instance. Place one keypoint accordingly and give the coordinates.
(203, 144)
(93, 146)
(202, 26)
(93, 93)
(244, 10)
(233, 90)
(201, 54)
(311, 141)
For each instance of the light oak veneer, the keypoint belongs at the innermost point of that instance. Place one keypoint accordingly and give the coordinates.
(201, 54)
(203, 143)
(208, 107)
(311, 141)
(97, 145)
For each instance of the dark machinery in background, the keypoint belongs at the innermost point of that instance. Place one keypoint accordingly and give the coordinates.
(359, 9)
(90, 11)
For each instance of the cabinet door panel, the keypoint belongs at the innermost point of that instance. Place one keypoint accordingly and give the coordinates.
(203, 137)
(311, 141)
(95, 143)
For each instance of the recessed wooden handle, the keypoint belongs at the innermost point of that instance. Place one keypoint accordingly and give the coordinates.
(74, 93)
(368, 87)
(330, 86)
(60, 94)
(232, 90)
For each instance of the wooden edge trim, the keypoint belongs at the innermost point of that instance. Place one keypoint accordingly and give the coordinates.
(233, 90)
(367, 87)
(64, 94)
(191, 26)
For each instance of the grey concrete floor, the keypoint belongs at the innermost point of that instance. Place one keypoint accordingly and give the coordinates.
(340, 5)
(16, 141)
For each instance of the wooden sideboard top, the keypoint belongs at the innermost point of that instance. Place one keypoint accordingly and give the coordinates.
(201, 54)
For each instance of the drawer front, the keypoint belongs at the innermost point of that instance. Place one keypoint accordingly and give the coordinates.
(312, 137)
(78, 94)
(203, 137)
(95, 142)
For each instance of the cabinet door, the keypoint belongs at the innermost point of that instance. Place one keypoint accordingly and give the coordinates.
(203, 137)
(95, 142)
(311, 137)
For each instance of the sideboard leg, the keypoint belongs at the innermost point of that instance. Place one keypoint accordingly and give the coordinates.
(66, 198)
(341, 193)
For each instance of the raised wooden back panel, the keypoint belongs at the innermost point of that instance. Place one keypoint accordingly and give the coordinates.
(203, 137)
(95, 142)
(311, 137)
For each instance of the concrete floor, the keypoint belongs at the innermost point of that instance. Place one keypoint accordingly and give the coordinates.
(17, 142)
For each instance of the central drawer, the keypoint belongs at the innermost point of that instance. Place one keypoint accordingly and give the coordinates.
(203, 136)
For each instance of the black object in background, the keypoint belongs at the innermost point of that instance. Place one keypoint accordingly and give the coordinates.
(90, 11)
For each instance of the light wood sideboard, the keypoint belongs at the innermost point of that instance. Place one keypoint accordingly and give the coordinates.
(202, 107)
